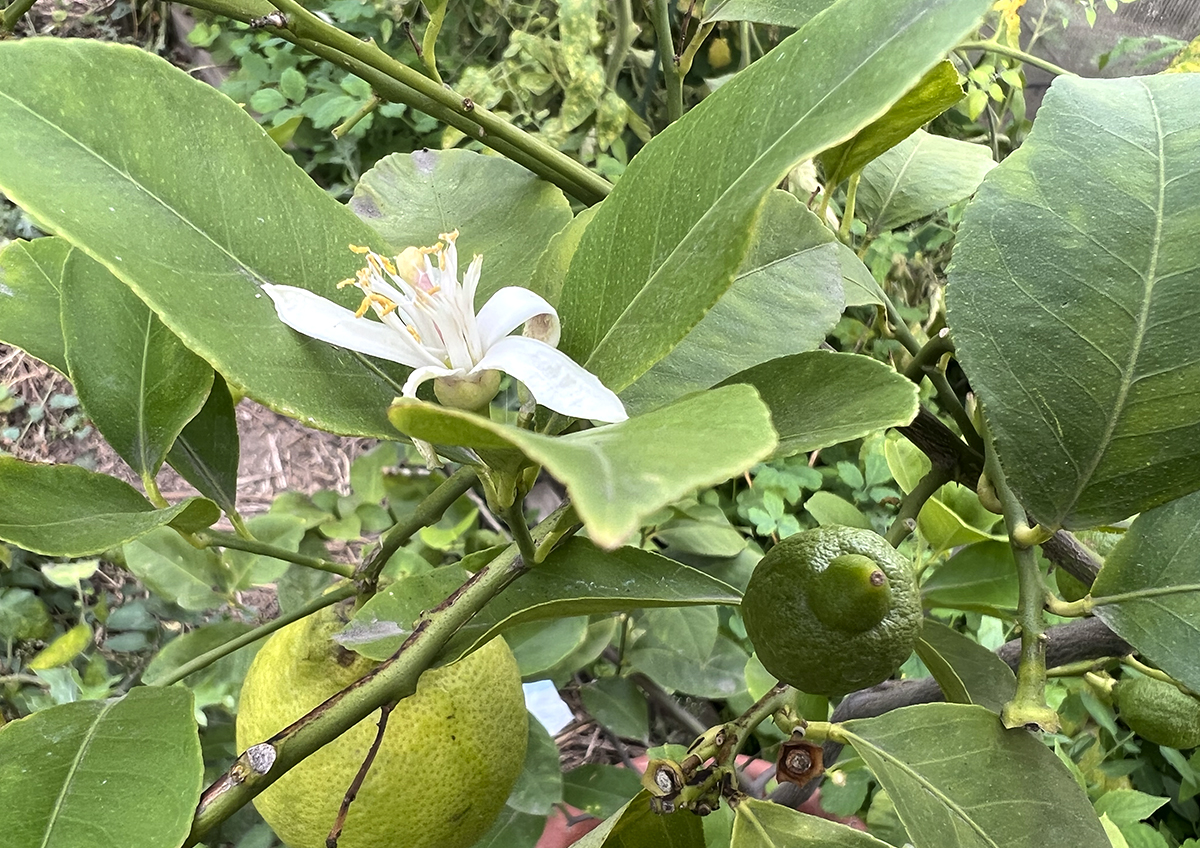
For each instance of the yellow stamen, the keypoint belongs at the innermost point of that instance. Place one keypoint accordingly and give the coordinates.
(414, 334)
(383, 303)
(357, 248)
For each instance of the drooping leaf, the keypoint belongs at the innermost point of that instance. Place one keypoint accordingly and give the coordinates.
(967, 672)
(665, 245)
(30, 283)
(621, 473)
(411, 198)
(193, 214)
(576, 579)
(175, 570)
(785, 298)
(1160, 551)
(921, 175)
(106, 774)
(958, 777)
(64, 510)
(1071, 296)
(936, 92)
(762, 824)
(207, 451)
(820, 398)
(136, 380)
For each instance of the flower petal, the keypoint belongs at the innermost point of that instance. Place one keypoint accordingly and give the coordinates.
(322, 319)
(508, 309)
(427, 372)
(556, 381)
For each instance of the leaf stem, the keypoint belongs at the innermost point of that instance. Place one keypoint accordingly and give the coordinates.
(906, 519)
(945, 395)
(1028, 708)
(427, 512)
(929, 354)
(261, 765)
(1085, 605)
(437, 14)
(1014, 53)
(848, 213)
(689, 53)
(13, 12)
(237, 543)
(622, 41)
(340, 593)
(514, 517)
(670, 62)
(350, 123)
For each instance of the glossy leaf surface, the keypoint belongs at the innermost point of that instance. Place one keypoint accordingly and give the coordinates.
(30, 285)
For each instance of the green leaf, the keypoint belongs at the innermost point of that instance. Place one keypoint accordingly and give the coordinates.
(63, 649)
(207, 451)
(860, 287)
(247, 569)
(682, 650)
(183, 649)
(193, 215)
(789, 13)
(411, 198)
(980, 578)
(30, 283)
(599, 789)
(958, 777)
(63, 510)
(819, 398)
(1126, 806)
(1072, 278)
(175, 570)
(1160, 551)
(136, 380)
(619, 474)
(553, 264)
(23, 615)
(762, 824)
(936, 92)
(540, 646)
(512, 829)
(69, 575)
(967, 672)
(666, 243)
(576, 579)
(105, 774)
(635, 825)
(830, 509)
(539, 786)
(785, 298)
(921, 175)
(618, 705)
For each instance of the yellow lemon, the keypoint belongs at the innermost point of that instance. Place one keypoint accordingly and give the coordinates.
(451, 753)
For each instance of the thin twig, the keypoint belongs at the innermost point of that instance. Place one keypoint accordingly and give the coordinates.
(335, 833)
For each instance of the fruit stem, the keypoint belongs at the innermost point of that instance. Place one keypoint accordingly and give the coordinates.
(1028, 708)
(390, 681)
(427, 512)
(346, 590)
(514, 517)
(906, 519)
(1136, 664)
(210, 538)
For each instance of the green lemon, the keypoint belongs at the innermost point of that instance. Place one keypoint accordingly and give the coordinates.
(832, 610)
(449, 758)
(1158, 712)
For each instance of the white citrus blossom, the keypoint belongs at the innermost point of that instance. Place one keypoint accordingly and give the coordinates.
(428, 322)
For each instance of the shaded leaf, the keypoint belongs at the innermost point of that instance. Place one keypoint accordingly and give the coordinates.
(175, 570)
(30, 286)
(967, 672)
(979, 578)
(1072, 295)
(64, 510)
(207, 451)
(600, 789)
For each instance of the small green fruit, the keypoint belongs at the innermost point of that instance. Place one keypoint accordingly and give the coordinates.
(448, 760)
(832, 610)
(1070, 587)
(1158, 711)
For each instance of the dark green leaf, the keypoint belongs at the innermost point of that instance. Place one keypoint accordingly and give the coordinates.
(539, 786)
(635, 825)
(63, 510)
(958, 777)
(136, 380)
(919, 176)
(105, 774)
(761, 824)
(618, 705)
(1073, 278)
(621, 473)
(936, 92)
(665, 245)
(30, 286)
(818, 399)
(785, 298)
(600, 789)
(411, 198)
(576, 579)
(541, 645)
(194, 215)
(185, 648)
(207, 451)
(1160, 551)
(512, 829)
(789, 13)
(967, 672)
(979, 578)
